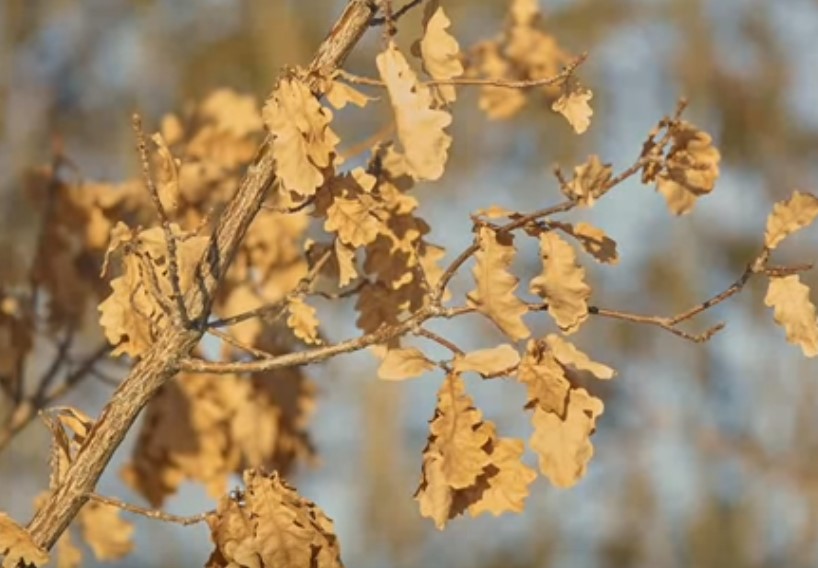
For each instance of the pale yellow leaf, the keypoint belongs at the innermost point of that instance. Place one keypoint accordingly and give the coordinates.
(353, 220)
(494, 296)
(691, 168)
(562, 283)
(420, 127)
(798, 212)
(488, 362)
(441, 54)
(590, 181)
(400, 364)
(340, 94)
(563, 443)
(569, 356)
(593, 240)
(574, 107)
(544, 378)
(345, 256)
(794, 311)
(17, 546)
(494, 212)
(303, 321)
(508, 482)
(167, 175)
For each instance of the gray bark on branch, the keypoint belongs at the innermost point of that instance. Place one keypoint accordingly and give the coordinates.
(162, 361)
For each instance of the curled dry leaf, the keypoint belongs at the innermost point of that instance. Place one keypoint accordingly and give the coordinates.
(563, 443)
(544, 378)
(304, 143)
(345, 257)
(794, 311)
(590, 181)
(494, 295)
(465, 464)
(420, 127)
(167, 176)
(573, 105)
(569, 356)
(488, 362)
(354, 220)
(562, 283)
(271, 526)
(17, 546)
(441, 54)
(340, 95)
(407, 363)
(798, 212)
(691, 168)
(593, 240)
(303, 321)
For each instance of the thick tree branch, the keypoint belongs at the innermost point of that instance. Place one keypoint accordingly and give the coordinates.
(161, 362)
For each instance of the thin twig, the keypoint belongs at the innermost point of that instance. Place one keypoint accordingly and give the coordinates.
(150, 513)
(439, 340)
(393, 17)
(170, 239)
(227, 338)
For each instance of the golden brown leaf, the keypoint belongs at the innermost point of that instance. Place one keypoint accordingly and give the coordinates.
(590, 181)
(345, 257)
(488, 362)
(340, 95)
(593, 240)
(303, 321)
(544, 378)
(563, 444)
(573, 105)
(441, 54)
(508, 479)
(798, 212)
(691, 168)
(304, 143)
(108, 536)
(494, 296)
(17, 546)
(794, 311)
(271, 526)
(400, 364)
(354, 220)
(420, 127)
(562, 283)
(569, 356)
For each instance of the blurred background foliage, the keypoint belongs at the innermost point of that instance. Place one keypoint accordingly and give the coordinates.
(705, 454)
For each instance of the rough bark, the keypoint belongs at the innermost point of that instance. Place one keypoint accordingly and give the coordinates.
(161, 362)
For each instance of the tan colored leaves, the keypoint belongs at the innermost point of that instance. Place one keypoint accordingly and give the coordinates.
(109, 537)
(590, 181)
(17, 546)
(303, 321)
(400, 364)
(488, 362)
(563, 443)
(136, 309)
(593, 240)
(354, 220)
(689, 170)
(465, 466)
(304, 143)
(420, 127)
(790, 216)
(573, 105)
(440, 52)
(794, 311)
(494, 296)
(271, 525)
(562, 283)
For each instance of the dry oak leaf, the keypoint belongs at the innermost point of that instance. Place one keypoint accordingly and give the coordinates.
(488, 362)
(303, 321)
(524, 12)
(497, 102)
(404, 363)
(456, 439)
(441, 54)
(132, 314)
(569, 356)
(691, 168)
(304, 143)
(271, 527)
(508, 479)
(17, 546)
(345, 257)
(562, 283)
(573, 105)
(340, 95)
(563, 443)
(593, 240)
(69, 555)
(354, 220)
(790, 216)
(590, 181)
(794, 311)
(109, 536)
(232, 112)
(544, 378)
(495, 212)
(494, 296)
(167, 176)
(420, 127)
